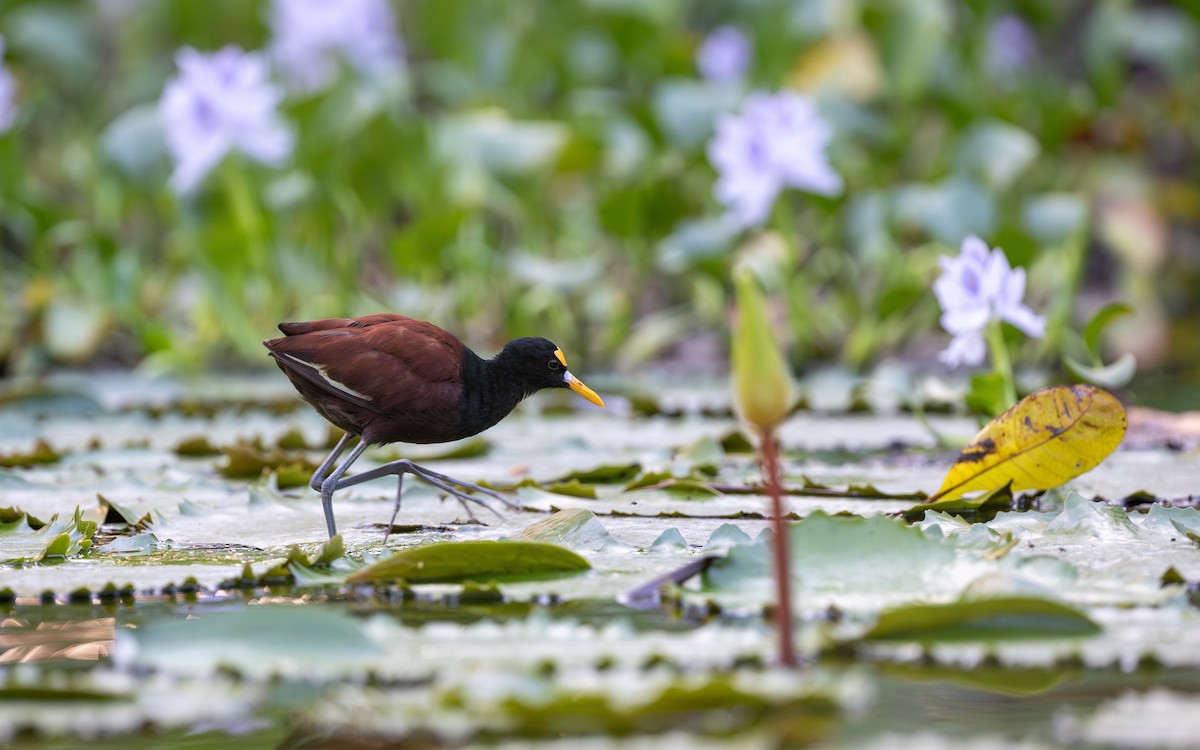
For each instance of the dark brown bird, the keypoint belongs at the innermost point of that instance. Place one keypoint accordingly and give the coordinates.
(387, 378)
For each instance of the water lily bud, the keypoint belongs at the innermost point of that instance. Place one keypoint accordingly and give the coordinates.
(763, 392)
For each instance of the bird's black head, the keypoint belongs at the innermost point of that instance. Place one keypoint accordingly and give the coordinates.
(535, 363)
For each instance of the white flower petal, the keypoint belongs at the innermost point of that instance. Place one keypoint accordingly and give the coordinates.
(219, 102)
(968, 349)
(310, 36)
(1024, 318)
(724, 55)
(776, 141)
(965, 320)
(978, 286)
(194, 166)
(973, 250)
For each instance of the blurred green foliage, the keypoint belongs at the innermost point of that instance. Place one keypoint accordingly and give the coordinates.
(540, 169)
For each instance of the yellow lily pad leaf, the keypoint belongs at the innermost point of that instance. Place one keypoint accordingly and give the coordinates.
(1047, 438)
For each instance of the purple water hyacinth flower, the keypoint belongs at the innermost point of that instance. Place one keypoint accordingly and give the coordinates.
(8, 94)
(724, 56)
(974, 289)
(1011, 46)
(310, 36)
(776, 141)
(218, 103)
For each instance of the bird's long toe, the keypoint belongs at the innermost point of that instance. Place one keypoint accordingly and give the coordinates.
(448, 484)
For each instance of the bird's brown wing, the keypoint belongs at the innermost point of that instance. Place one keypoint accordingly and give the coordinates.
(392, 365)
(418, 368)
(305, 356)
(326, 324)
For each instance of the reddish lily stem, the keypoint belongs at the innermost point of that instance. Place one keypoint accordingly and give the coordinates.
(783, 576)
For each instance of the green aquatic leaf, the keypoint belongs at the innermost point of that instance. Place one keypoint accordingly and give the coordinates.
(1112, 376)
(54, 541)
(692, 482)
(246, 460)
(41, 455)
(603, 474)
(684, 707)
(475, 447)
(994, 679)
(197, 445)
(1101, 320)
(473, 560)
(988, 619)
(14, 519)
(333, 550)
(572, 488)
(996, 500)
(115, 513)
(46, 694)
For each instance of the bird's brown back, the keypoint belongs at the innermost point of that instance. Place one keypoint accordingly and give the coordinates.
(386, 377)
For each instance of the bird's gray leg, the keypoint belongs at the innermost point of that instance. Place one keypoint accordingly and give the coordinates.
(396, 509)
(331, 485)
(319, 475)
(449, 485)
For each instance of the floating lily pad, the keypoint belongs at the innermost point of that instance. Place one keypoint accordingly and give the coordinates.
(248, 461)
(41, 454)
(473, 560)
(981, 620)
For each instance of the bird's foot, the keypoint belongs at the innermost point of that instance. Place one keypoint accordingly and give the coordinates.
(460, 489)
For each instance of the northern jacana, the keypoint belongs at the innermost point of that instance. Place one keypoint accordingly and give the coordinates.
(389, 378)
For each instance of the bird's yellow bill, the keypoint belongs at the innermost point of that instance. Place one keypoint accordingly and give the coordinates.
(575, 383)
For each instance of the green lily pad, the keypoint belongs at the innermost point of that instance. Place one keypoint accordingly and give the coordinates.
(53, 542)
(246, 460)
(996, 500)
(602, 474)
(41, 455)
(1001, 680)
(472, 560)
(981, 620)
(197, 445)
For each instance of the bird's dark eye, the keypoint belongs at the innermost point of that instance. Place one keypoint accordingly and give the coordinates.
(554, 364)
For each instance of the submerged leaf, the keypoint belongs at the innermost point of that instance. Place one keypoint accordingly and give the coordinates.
(981, 620)
(1004, 680)
(474, 560)
(1049, 437)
